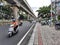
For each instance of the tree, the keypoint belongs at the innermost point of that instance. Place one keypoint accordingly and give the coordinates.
(44, 10)
(6, 10)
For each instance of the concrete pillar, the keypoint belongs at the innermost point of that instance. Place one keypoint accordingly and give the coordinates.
(28, 17)
(31, 18)
(15, 12)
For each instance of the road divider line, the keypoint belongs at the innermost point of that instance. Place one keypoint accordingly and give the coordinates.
(19, 43)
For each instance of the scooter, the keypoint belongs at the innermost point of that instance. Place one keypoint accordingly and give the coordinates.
(11, 30)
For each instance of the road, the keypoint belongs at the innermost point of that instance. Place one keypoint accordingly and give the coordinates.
(4, 40)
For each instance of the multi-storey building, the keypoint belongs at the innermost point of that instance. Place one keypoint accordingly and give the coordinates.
(56, 7)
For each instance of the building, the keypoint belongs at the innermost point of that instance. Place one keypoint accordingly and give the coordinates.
(56, 8)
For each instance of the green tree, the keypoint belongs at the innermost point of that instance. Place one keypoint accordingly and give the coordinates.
(43, 10)
(6, 10)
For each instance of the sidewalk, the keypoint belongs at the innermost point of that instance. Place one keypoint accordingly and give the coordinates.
(45, 35)
(36, 38)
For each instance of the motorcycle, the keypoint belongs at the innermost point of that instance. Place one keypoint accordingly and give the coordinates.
(11, 30)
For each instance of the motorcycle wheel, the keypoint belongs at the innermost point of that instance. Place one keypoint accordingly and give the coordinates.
(9, 35)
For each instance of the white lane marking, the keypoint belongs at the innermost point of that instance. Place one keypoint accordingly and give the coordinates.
(19, 43)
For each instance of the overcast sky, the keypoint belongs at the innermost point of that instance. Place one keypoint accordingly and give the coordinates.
(35, 4)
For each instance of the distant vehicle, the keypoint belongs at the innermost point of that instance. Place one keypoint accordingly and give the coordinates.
(33, 21)
(49, 22)
(57, 25)
(43, 22)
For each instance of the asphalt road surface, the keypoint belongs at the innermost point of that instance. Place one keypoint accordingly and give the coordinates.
(4, 40)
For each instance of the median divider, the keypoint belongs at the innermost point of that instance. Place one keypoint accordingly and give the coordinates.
(26, 37)
(4, 22)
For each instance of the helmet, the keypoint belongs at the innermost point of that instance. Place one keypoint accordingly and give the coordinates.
(13, 20)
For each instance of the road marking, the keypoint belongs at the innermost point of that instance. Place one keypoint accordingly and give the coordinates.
(19, 43)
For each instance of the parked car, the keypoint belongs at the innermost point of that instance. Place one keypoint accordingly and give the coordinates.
(33, 21)
(57, 25)
(43, 22)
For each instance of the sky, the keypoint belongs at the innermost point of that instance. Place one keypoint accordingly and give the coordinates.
(35, 4)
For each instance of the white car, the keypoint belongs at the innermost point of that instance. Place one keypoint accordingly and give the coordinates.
(43, 22)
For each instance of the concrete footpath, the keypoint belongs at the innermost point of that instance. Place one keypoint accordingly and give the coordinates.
(36, 38)
(44, 35)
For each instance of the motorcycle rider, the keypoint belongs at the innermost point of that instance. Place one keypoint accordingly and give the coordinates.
(15, 23)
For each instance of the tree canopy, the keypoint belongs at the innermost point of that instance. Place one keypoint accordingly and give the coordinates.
(43, 10)
(5, 12)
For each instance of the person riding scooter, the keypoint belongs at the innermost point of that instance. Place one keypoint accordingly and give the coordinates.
(14, 22)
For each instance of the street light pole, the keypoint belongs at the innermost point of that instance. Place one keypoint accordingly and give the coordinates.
(55, 12)
(51, 14)
(51, 10)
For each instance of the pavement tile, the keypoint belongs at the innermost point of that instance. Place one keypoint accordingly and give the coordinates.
(38, 38)
(46, 35)
(50, 36)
